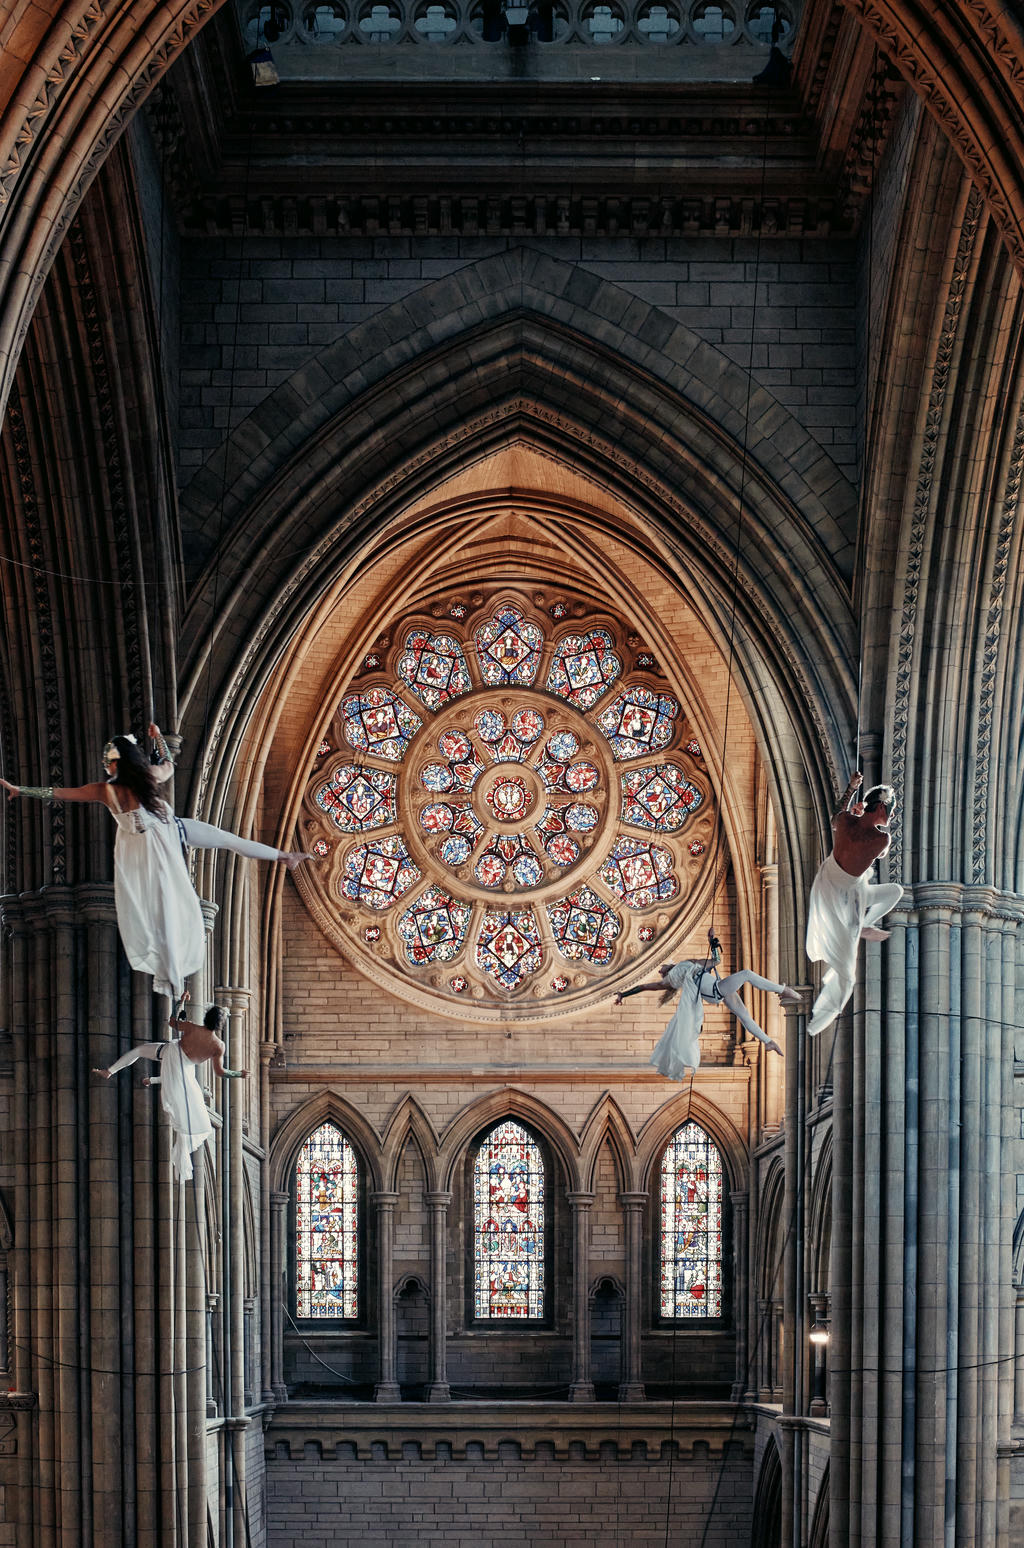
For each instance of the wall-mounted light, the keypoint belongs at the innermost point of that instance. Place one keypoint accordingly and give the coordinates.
(819, 1333)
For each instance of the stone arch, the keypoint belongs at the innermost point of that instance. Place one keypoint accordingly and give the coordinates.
(509, 1103)
(767, 1531)
(294, 1130)
(690, 1106)
(607, 1121)
(819, 1534)
(409, 1121)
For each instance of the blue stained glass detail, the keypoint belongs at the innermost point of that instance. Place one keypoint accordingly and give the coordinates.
(581, 818)
(378, 722)
(434, 667)
(584, 666)
(327, 1227)
(508, 946)
(357, 800)
(639, 721)
(437, 778)
(378, 873)
(660, 798)
(528, 871)
(585, 927)
(491, 725)
(692, 1190)
(454, 851)
(508, 1225)
(508, 649)
(562, 746)
(434, 927)
(640, 873)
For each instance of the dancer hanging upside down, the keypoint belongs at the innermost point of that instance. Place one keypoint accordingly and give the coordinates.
(158, 913)
(181, 1095)
(678, 1049)
(845, 907)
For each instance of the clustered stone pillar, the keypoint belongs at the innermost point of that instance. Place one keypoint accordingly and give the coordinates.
(740, 1201)
(439, 1391)
(582, 1388)
(387, 1389)
(631, 1386)
(279, 1203)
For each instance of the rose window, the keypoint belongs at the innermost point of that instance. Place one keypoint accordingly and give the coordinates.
(505, 807)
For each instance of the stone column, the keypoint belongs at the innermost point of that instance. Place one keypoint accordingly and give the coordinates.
(582, 1388)
(271, 1266)
(631, 1387)
(387, 1389)
(438, 1391)
(1018, 1364)
(741, 1298)
(279, 1203)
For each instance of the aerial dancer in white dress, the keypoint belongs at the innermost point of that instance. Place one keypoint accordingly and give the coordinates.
(845, 907)
(678, 1049)
(181, 1095)
(158, 913)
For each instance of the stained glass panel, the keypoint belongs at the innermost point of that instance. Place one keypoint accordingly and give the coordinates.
(584, 666)
(378, 873)
(639, 721)
(327, 1227)
(507, 852)
(379, 723)
(660, 798)
(508, 648)
(639, 873)
(508, 1225)
(585, 927)
(434, 927)
(434, 667)
(357, 800)
(508, 946)
(691, 1226)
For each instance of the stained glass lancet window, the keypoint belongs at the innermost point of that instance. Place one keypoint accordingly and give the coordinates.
(691, 1226)
(327, 1227)
(508, 1225)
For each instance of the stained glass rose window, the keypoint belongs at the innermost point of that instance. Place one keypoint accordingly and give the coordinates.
(502, 811)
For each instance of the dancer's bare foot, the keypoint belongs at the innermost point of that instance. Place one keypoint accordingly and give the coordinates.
(292, 858)
(869, 933)
(104, 1073)
(147, 1080)
(790, 996)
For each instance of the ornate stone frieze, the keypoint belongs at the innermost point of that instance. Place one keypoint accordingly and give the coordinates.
(869, 139)
(44, 627)
(924, 72)
(130, 613)
(990, 650)
(492, 212)
(921, 515)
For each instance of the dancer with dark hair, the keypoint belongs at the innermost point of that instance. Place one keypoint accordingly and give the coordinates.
(158, 913)
(181, 1095)
(678, 1049)
(845, 907)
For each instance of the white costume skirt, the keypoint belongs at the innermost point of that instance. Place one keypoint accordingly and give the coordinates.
(158, 913)
(678, 1048)
(841, 906)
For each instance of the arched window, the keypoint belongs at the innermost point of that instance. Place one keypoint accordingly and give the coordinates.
(327, 1280)
(509, 1236)
(691, 1226)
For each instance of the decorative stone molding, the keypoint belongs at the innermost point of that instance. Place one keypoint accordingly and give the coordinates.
(921, 514)
(931, 73)
(981, 799)
(489, 211)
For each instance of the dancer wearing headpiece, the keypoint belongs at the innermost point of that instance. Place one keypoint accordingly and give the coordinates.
(678, 1049)
(845, 907)
(181, 1095)
(158, 913)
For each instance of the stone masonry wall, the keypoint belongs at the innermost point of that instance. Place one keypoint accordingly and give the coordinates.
(257, 310)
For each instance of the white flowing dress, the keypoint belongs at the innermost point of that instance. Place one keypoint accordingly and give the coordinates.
(841, 906)
(158, 913)
(678, 1048)
(181, 1098)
